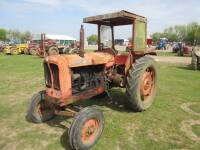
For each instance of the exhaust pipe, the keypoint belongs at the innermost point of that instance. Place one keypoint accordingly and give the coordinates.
(81, 51)
(43, 44)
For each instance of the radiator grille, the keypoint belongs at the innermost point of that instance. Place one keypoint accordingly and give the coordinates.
(47, 75)
(55, 73)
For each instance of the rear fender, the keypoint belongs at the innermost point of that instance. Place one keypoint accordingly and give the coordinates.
(133, 55)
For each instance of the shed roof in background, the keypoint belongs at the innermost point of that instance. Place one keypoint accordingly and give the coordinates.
(54, 37)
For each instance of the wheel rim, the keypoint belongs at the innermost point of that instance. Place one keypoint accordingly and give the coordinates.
(89, 131)
(147, 84)
(43, 109)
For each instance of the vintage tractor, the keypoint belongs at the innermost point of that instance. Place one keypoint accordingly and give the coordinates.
(186, 50)
(73, 77)
(15, 49)
(21, 48)
(42, 47)
(196, 58)
(161, 44)
(10, 49)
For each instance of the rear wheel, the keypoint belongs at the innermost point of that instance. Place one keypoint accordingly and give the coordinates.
(141, 84)
(39, 110)
(26, 52)
(86, 128)
(33, 51)
(53, 51)
(14, 51)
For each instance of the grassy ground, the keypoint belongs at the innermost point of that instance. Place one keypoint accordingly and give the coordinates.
(160, 127)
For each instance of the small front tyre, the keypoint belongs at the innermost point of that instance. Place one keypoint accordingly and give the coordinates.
(39, 110)
(86, 128)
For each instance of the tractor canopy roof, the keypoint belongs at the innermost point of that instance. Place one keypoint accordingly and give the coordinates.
(115, 19)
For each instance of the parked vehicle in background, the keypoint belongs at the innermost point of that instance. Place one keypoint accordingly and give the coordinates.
(186, 50)
(48, 46)
(149, 45)
(182, 49)
(149, 42)
(177, 46)
(161, 44)
(122, 42)
(15, 49)
(21, 48)
(10, 49)
(195, 64)
(33, 45)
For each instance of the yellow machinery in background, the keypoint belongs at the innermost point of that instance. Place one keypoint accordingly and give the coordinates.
(15, 49)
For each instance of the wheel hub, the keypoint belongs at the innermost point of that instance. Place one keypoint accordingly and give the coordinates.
(147, 83)
(89, 131)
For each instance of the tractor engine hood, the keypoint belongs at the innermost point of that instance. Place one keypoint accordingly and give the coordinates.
(61, 86)
(74, 60)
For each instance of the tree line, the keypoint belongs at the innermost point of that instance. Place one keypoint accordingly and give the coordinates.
(189, 33)
(8, 35)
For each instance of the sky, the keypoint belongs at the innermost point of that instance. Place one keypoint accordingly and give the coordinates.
(65, 16)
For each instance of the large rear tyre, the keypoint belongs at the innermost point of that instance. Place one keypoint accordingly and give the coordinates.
(86, 128)
(53, 51)
(33, 51)
(141, 84)
(39, 110)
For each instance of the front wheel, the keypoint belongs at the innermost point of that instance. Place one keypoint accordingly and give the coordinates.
(86, 128)
(141, 84)
(39, 110)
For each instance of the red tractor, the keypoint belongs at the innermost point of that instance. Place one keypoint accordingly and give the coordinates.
(186, 50)
(73, 77)
(42, 47)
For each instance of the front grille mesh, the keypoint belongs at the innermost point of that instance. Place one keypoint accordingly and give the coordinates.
(55, 73)
(47, 75)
